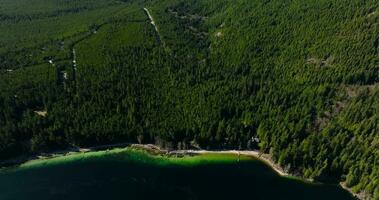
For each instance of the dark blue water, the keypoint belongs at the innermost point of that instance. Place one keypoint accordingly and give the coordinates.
(128, 177)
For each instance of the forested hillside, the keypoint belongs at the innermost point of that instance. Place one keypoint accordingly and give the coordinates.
(296, 79)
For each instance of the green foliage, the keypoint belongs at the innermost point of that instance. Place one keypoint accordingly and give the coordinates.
(299, 76)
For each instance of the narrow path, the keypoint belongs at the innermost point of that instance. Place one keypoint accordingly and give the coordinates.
(151, 19)
(74, 57)
(62, 75)
(74, 70)
(155, 27)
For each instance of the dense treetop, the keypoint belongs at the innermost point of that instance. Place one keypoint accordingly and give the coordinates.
(301, 76)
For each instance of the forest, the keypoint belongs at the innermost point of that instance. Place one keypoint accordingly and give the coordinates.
(296, 79)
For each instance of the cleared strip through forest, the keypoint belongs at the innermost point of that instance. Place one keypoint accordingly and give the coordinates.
(155, 27)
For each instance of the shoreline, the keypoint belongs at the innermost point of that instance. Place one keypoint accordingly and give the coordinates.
(360, 196)
(150, 148)
(69, 151)
(256, 154)
(252, 153)
(155, 150)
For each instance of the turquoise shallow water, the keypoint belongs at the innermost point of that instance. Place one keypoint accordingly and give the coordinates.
(130, 174)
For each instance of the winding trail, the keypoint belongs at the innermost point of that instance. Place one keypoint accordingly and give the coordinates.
(74, 56)
(155, 27)
(74, 70)
(151, 19)
(74, 59)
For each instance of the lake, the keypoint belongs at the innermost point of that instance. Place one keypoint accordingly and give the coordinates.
(133, 174)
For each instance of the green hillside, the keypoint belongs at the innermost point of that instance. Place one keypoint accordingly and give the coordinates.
(299, 77)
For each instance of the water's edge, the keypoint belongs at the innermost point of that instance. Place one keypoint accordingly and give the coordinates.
(152, 150)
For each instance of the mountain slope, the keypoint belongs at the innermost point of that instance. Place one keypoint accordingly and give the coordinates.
(300, 77)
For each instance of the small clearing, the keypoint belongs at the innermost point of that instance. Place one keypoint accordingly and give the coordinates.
(42, 113)
(372, 14)
(327, 62)
(219, 34)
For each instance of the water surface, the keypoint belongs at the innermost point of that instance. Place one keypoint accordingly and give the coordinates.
(132, 174)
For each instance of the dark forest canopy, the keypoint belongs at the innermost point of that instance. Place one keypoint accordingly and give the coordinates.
(300, 76)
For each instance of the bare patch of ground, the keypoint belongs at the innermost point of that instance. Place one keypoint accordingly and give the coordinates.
(350, 92)
(192, 18)
(321, 122)
(355, 90)
(326, 62)
(372, 14)
(42, 113)
(186, 15)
